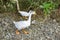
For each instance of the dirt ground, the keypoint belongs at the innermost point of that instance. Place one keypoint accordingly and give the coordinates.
(49, 30)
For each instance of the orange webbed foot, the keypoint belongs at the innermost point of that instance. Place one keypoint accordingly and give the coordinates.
(17, 32)
(25, 32)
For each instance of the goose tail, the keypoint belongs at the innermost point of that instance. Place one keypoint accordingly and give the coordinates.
(14, 22)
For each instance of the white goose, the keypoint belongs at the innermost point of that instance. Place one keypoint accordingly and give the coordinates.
(23, 13)
(23, 24)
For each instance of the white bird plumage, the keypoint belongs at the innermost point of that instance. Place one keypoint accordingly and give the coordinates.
(23, 24)
(24, 13)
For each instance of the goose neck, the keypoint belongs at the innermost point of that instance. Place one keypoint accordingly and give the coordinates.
(29, 19)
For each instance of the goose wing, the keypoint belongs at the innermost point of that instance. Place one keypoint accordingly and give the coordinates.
(24, 13)
(21, 25)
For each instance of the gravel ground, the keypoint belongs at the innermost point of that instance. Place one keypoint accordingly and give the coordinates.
(49, 30)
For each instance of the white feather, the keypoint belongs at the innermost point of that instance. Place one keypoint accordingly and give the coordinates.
(23, 24)
(24, 13)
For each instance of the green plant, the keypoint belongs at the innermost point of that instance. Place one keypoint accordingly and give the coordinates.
(34, 3)
(47, 7)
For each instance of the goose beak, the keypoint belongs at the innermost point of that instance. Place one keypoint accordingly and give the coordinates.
(35, 13)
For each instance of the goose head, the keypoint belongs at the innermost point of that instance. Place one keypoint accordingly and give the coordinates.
(32, 12)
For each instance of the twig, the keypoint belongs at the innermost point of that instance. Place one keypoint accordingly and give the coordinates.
(18, 6)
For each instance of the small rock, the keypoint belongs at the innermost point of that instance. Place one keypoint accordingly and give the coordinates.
(54, 20)
(34, 21)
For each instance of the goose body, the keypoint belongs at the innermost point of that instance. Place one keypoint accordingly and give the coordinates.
(23, 24)
(24, 13)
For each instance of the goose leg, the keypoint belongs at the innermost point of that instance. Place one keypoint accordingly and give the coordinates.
(25, 17)
(24, 31)
(17, 32)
